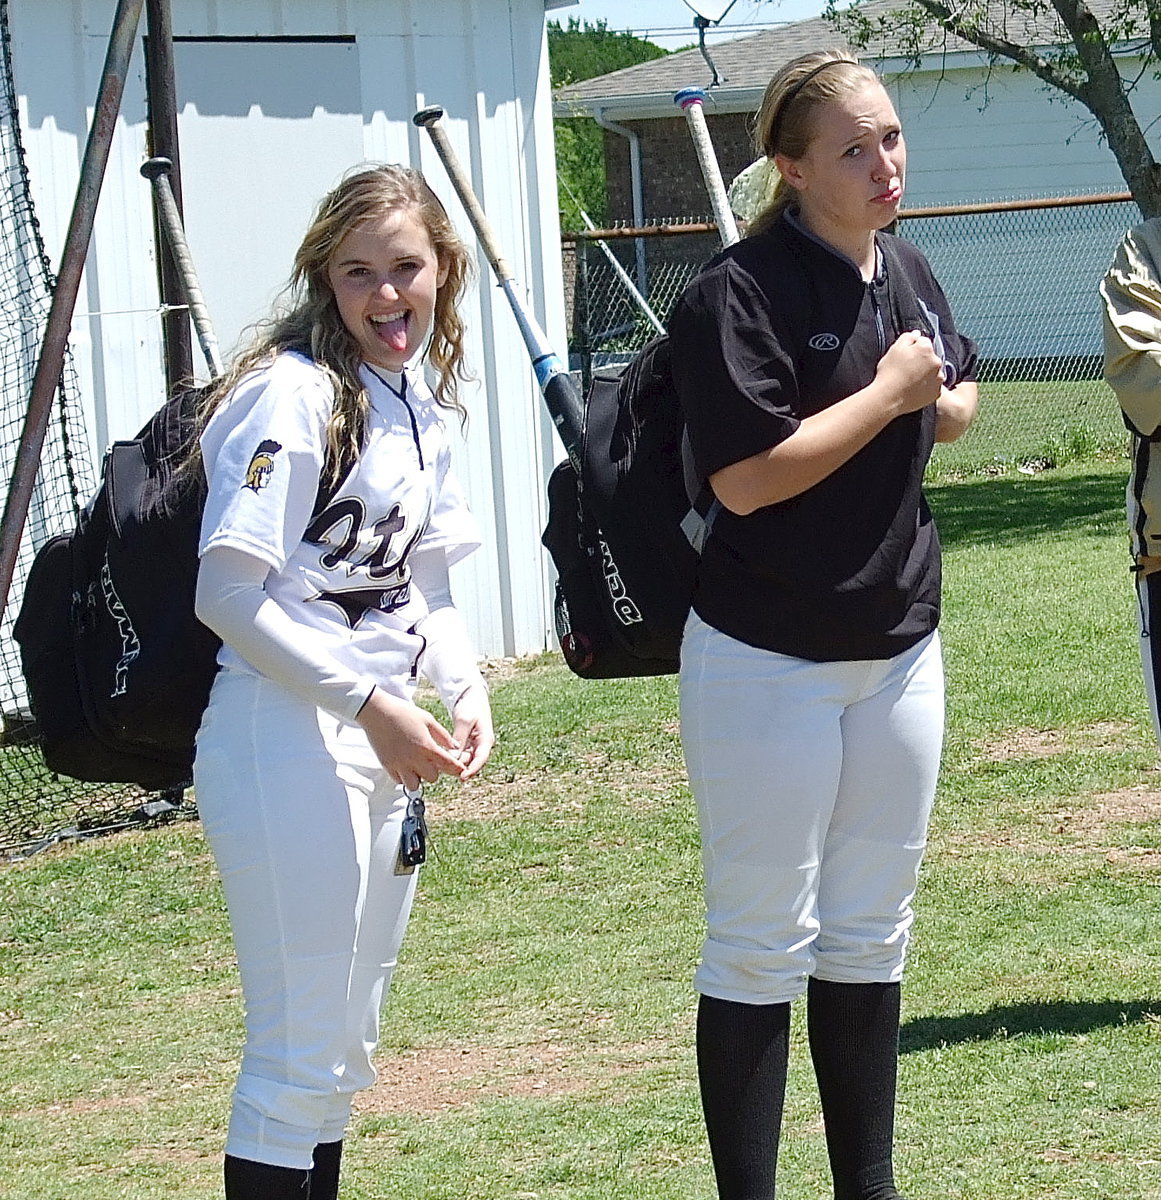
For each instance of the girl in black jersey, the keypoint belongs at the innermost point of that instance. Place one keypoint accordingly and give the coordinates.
(816, 362)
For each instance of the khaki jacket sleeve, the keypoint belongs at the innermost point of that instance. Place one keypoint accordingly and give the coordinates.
(1131, 305)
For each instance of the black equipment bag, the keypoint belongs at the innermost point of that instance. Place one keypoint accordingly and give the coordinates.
(625, 536)
(117, 664)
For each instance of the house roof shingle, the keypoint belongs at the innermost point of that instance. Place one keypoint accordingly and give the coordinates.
(745, 65)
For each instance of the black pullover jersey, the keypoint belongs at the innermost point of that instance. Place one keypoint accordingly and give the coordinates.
(775, 328)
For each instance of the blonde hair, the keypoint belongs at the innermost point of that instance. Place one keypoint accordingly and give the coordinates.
(785, 120)
(312, 325)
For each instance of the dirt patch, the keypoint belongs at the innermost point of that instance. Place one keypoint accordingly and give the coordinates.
(493, 795)
(1141, 858)
(1136, 805)
(499, 670)
(167, 1155)
(93, 1104)
(435, 1079)
(1087, 825)
(1043, 743)
(489, 799)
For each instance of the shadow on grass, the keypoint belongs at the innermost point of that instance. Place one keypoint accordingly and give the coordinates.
(1008, 509)
(1014, 1020)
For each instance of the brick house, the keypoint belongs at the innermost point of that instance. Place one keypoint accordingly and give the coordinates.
(976, 132)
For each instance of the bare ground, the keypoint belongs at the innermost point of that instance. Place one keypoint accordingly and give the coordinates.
(437, 1078)
(1088, 823)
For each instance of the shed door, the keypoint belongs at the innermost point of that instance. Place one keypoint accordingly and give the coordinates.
(265, 126)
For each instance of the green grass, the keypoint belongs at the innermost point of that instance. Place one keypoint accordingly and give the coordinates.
(538, 1040)
(1049, 423)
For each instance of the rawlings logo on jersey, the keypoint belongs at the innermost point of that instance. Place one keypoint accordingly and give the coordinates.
(824, 341)
(261, 465)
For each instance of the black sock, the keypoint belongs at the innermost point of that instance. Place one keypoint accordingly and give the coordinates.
(324, 1175)
(742, 1051)
(247, 1180)
(854, 1043)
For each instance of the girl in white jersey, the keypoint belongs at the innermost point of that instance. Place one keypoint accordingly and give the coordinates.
(331, 520)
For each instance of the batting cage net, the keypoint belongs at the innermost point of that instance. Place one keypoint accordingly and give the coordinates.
(37, 807)
(1022, 281)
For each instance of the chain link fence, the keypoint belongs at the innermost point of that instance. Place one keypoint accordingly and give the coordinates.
(1021, 278)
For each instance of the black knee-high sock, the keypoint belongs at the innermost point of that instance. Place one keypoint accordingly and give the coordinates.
(247, 1180)
(854, 1043)
(741, 1064)
(324, 1175)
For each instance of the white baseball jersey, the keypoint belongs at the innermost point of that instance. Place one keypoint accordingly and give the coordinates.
(344, 574)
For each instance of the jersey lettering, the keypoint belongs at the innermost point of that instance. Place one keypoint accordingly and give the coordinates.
(349, 512)
(349, 516)
(385, 530)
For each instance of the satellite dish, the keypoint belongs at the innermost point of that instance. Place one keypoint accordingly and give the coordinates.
(709, 11)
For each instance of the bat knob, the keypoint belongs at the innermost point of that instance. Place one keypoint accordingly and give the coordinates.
(154, 168)
(428, 116)
(688, 96)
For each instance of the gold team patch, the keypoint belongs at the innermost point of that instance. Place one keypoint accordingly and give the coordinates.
(261, 465)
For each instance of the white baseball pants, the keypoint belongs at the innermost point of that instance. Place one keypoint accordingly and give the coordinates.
(304, 825)
(814, 784)
(1148, 608)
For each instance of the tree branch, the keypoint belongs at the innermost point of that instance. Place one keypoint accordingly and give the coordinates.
(1080, 62)
(971, 31)
(1153, 8)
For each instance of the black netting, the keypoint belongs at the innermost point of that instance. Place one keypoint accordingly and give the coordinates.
(35, 806)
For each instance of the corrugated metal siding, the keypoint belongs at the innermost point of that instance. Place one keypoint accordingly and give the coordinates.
(485, 61)
(975, 135)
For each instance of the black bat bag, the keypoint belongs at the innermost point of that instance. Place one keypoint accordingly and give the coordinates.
(118, 665)
(625, 536)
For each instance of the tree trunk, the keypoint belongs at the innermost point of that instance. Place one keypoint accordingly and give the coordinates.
(1103, 93)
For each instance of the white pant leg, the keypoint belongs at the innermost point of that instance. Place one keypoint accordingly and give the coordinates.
(1148, 606)
(892, 743)
(304, 826)
(765, 745)
(763, 749)
(385, 912)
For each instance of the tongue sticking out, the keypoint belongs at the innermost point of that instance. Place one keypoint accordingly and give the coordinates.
(394, 332)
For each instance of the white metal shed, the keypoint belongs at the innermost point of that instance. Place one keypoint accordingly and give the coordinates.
(276, 98)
